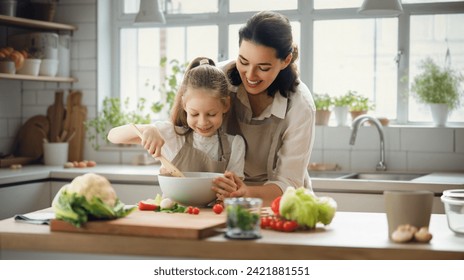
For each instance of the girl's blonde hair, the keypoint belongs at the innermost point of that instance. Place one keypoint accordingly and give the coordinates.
(201, 73)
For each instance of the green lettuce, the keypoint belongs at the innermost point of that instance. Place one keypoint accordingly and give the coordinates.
(306, 208)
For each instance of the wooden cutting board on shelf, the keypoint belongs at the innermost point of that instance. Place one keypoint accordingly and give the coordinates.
(29, 140)
(76, 115)
(55, 115)
(152, 224)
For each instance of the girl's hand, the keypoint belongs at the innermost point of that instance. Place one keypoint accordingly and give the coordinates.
(152, 141)
(229, 186)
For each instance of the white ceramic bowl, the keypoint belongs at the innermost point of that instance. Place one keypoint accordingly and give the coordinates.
(454, 208)
(192, 190)
(31, 67)
(48, 67)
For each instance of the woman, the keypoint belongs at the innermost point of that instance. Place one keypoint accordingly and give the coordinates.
(272, 110)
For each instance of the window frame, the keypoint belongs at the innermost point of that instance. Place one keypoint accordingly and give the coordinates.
(306, 15)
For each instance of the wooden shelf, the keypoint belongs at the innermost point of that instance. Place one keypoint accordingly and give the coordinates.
(37, 78)
(38, 24)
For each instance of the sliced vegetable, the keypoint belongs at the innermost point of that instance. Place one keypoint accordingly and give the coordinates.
(147, 205)
(275, 205)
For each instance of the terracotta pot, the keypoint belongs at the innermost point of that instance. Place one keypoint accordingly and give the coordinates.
(322, 117)
(355, 114)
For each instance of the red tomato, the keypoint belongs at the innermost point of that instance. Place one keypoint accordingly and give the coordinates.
(289, 226)
(217, 208)
(189, 210)
(195, 211)
(275, 205)
(265, 222)
(279, 225)
(147, 206)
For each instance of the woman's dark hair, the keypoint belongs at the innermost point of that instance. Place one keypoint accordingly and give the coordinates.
(272, 30)
(200, 74)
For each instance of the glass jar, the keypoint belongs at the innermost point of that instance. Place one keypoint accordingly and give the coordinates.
(243, 218)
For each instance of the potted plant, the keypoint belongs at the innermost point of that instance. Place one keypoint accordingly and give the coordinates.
(112, 115)
(341, 107)
(359, 104)
(438, 87)
(323, 103)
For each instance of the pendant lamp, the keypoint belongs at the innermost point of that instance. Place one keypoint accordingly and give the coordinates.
(150, 12)
(381, 8)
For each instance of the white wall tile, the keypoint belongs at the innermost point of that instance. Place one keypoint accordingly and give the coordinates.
(364, 160)
(435, 161)
(3, 128)
(427, 140)
(337, 138)
(459, 140)
(87, 49)
(340, 157)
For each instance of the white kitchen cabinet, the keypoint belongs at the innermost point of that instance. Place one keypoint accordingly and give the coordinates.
(25, 198)
(362, 202)
(129, 194)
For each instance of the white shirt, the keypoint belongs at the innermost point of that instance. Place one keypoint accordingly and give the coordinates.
(208, 145)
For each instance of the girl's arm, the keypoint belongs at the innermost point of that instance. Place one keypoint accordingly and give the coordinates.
(151, 138)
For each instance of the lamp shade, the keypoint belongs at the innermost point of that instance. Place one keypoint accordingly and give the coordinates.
(150, 12)
(381, 7)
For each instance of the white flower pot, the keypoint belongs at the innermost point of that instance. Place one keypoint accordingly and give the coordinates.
(439, 114)
(341, 115)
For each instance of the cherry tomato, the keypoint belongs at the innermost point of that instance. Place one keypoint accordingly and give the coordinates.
(275, 205)
(265, 222)
(289, 226)
(195, 211)
(189, 210)
(279, 225)
(143, 205)
(218, 208)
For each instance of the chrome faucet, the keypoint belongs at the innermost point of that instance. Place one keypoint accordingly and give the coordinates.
(357, 122)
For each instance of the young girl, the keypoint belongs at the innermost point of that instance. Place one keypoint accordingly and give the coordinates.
(193, 140)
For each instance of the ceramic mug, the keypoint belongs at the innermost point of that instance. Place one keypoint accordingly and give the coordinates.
(408, 207)
(55, 153)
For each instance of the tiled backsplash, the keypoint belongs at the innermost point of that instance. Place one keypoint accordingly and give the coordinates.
(407, 148)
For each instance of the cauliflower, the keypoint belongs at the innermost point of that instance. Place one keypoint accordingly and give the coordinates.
(88, 196)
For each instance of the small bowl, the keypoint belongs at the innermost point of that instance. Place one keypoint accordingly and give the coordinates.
(7, 67)
(192, 190)
(31, 67)
(454, 208)
(48, 67)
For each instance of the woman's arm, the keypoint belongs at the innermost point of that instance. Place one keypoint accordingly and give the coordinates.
(232, 186)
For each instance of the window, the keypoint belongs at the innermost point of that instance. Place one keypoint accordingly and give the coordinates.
(339, 49)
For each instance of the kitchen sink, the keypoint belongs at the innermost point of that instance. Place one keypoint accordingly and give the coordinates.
(328, 175)
(379, 176)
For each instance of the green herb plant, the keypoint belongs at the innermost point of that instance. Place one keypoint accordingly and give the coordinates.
(359, 102)
(322, 101)
(242, 218)
(114, 114)
(437, 85)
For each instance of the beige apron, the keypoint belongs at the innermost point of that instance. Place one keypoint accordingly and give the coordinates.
(190, 159)
(264, 137)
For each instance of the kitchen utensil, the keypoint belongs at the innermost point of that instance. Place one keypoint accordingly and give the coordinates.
(454, 208)
(152, 224)
(193, 189)
(55, 154)
(55, 115)
(171, 168)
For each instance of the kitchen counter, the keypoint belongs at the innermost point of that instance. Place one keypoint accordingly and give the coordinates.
(350, 236)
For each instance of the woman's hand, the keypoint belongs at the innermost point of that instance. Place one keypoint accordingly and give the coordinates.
(229, 186)
(152, 141)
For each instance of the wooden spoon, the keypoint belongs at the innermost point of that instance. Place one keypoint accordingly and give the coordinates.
(171, 168)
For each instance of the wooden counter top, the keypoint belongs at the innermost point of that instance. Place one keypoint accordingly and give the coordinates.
(350, 236)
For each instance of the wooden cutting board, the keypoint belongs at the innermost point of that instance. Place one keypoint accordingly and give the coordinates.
(76, 115)
(29, 140)
(55, 115)
(153, 224)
